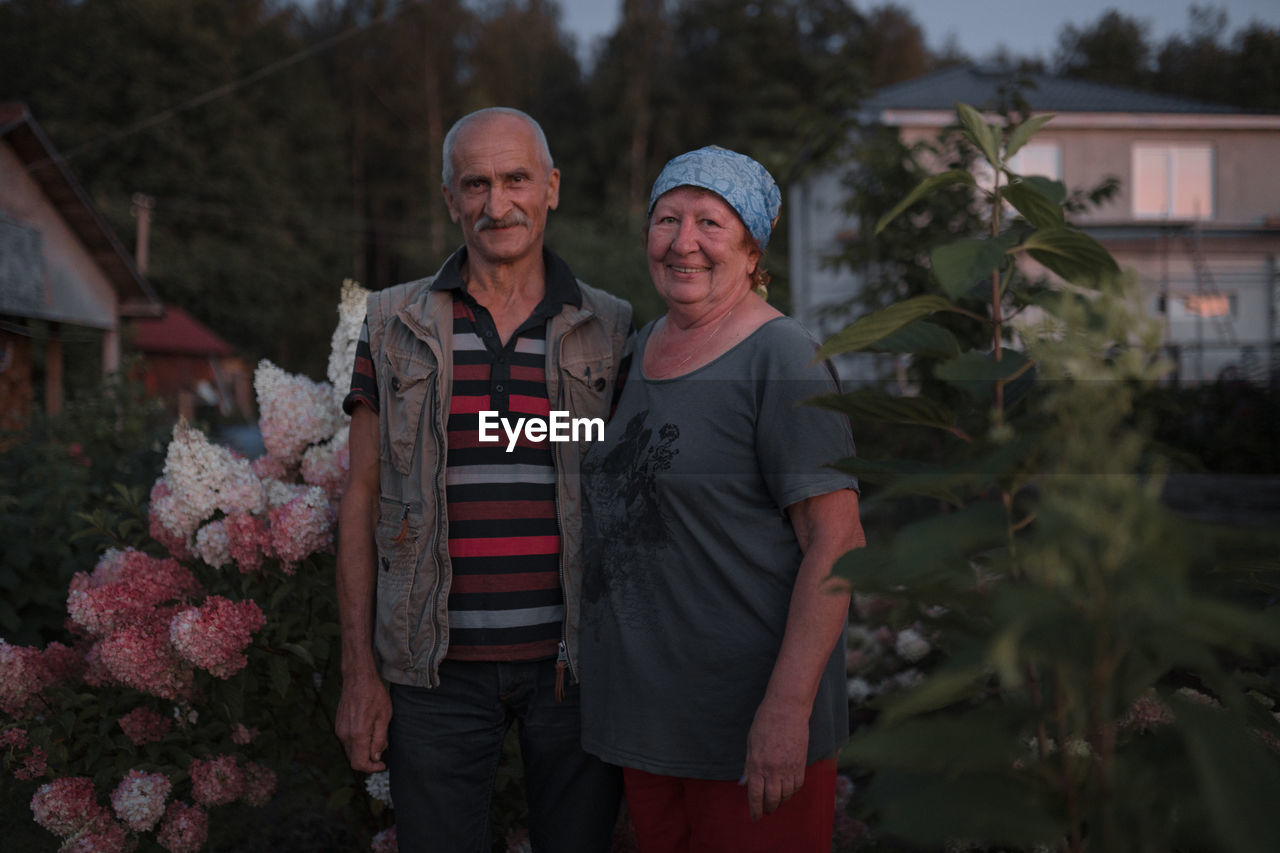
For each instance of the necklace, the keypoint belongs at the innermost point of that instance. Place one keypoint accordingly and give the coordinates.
(702, 346)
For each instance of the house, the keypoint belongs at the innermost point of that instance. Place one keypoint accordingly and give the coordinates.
(186, 364)
(64, 276)
(1197, 215)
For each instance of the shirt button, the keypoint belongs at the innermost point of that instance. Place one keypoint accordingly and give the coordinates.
(498, 388)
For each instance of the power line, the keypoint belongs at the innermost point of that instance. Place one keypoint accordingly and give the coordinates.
(223, 90)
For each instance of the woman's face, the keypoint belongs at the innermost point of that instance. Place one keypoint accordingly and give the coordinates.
(700, 253)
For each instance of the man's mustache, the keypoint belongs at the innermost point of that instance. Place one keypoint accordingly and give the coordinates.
(485, 222)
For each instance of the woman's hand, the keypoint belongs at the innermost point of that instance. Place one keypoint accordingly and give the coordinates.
(776, 748)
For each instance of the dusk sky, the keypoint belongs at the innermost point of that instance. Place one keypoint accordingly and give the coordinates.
(1027, 27)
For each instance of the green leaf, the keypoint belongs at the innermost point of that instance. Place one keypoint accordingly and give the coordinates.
(919, 338)
(940, 690)
(928, 185)
(897, 472)
(979, 132)
(1072, 254)
(923, 545)
(1237, 776)
(962, 265)
(1055, 191)
(279, 670)
(981, 738)
(1022, 134)
(932, 809)
(876, 326)
(981, 367)
(860, 563)
(866, 404)
(300, 651)
(1034, 206)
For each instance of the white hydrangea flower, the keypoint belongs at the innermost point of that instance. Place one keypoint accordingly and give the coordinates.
(342, 347)
(860, 690)
(212, 544)
(911, 645)
(295, 411)
(379, 787)
(203, 478)
(280, 493)
(139, 799)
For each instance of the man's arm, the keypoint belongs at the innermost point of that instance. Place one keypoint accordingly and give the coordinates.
(364, 708)
(827, 527)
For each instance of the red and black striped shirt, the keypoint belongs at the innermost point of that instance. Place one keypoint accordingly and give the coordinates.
(506, 601)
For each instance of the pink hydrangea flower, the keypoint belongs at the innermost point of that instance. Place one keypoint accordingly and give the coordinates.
(295, 411)
(23, 675)
(259, 784)
(34, 765)
(67, 805)
(247, 540)
(140, 656)
(385, 841)
(126, 590)
(216, 781)
(214, 635)
(101, 835)
(302, 527)
(184, 829)
(143, 726)
(243, 735)
(167, 522)
(139, 799)
(65, 665)
(268, 467)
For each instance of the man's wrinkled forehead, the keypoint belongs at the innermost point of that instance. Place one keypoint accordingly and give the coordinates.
(500, 143)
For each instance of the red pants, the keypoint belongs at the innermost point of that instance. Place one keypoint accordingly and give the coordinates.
(677, 815)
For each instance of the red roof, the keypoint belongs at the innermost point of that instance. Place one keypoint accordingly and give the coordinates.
(177, 332)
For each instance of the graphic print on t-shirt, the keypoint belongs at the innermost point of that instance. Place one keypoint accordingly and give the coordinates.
(634, 521)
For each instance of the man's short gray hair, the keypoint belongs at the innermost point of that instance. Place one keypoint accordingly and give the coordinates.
(451, 138)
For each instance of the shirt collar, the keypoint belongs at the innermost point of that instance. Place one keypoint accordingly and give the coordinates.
(562, 286)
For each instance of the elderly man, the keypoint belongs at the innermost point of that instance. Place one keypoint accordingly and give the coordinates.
(459, 549)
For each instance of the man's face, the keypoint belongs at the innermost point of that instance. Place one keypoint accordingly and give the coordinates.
(501, 189)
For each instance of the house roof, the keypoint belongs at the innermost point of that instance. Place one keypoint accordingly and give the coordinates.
(47, 168)
(982, 86)
(177, 332)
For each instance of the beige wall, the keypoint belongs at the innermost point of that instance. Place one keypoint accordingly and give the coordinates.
(75, 290)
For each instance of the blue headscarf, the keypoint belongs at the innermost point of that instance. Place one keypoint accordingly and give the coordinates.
(742, 182)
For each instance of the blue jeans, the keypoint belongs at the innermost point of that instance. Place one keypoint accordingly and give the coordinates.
(445, 745)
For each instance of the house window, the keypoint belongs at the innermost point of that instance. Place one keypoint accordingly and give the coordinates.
(1172, 181)
(1190, 306)
(1043, 159)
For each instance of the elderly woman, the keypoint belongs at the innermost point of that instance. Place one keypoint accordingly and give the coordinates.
(712, 667)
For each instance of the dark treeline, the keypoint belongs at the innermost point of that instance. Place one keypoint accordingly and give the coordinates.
(290, 147)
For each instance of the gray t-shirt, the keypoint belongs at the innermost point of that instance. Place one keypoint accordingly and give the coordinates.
(690, 558)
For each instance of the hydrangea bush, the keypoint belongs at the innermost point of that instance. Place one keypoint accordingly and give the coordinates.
(202, 666)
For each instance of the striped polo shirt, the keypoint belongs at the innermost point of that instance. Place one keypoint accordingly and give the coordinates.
(506, 601)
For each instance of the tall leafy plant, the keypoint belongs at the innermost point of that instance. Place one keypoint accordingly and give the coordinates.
(1106, 675)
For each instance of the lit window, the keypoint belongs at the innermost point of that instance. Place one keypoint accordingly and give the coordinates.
(1172, 181)
(1188, 306)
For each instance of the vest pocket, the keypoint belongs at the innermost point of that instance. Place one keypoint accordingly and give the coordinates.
(588, 385)
(399, 544)
(406, 383)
